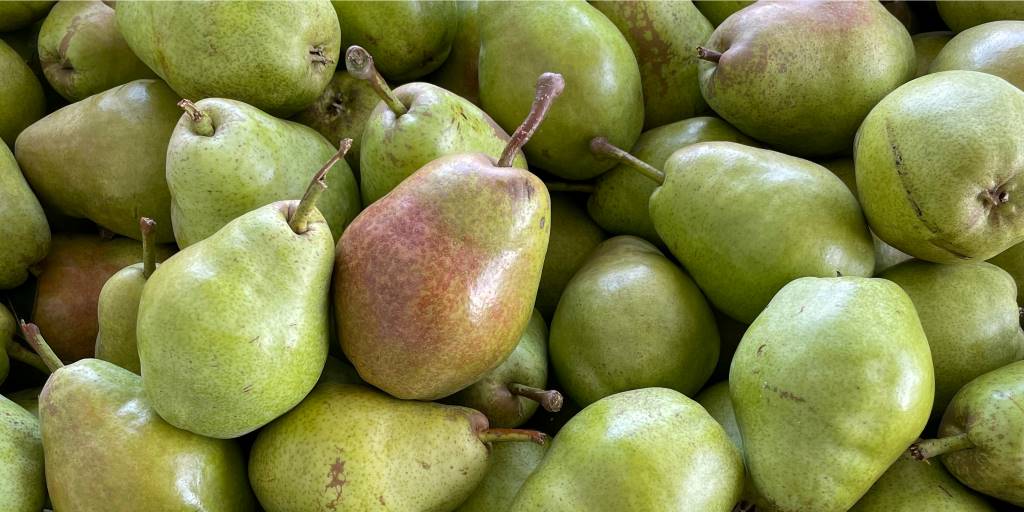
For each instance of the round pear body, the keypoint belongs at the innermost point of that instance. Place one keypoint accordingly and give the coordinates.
(458, 73)
(961, 15)
(996, 48)
(23, 225)
(21, 13)
(911, 485)
(1012, 261)
(117, 318)
(574, 235)
(716, 11)
(22, 484)
(927, 45)
(21, 94)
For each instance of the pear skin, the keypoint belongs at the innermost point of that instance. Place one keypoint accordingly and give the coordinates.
(21, 94)
(23, 225)
(22, 484)
(996, 48)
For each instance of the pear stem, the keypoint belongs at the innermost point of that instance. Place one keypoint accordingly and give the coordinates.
(201, 122)
(20, 353)
(932, 447)
(35, 339)
(503, 435)
(601, 147)
(299, 222)
(549, 399)
(708, 55)
(549, 87)
(557, 186)
(148, 228)
(359, 64)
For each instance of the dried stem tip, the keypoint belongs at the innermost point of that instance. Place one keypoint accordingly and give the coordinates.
(300, 218)
(601, 147)
(359, 64)
(708, 55)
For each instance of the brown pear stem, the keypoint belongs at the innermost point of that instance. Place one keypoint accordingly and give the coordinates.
(504, 435)
(148, 228)
(359, 64)
(929, 448)
(549, 87)
(299, 221)
(35, 339)
(201, 122)
(708, 55)
(20, 353)
(601, 147)
(549, 399)
(557, 186)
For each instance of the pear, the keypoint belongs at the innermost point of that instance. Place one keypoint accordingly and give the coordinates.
(226, 158)
(233, 330)
(1012, 261)
(21, 13)
(414, 125)
(961, 15)
(604, 98)
(716, 401)
(826, 357)
(21, 95)
(510, 465)
(435, 282)
(716, 11)
(341, 112)
(801, 76)
(83, 53)
(390, 455)
(979, 437)
(631, 319)
(910, 485)
(509, 394)
(637, 450)
(573, 236)
(996, 48)
(927, 45)
(410, 38)
(23, 225)
(938, 161)
(102, 158)
(458, 73)
(22, 484)
(28, 398)
(745, 221)
(106, 449)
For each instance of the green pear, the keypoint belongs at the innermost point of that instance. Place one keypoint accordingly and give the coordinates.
(23, 226)
(745, 221)
(979, 437)
(458, 73)
(510, 465)
(1012, 261)
(825, 358)
(28, 398)
(391, 454)
(83, 53)
(644, 449)
(414, 125)
(786, 74)
(716, 401)
(410, 38)
(716, 11)
(509, 394)
(233, 330)
(520, 40)
(961, 15)
(927, 45)
(573, 236)
(938, 161)
(910, 485)
(226, 158)
(435, 282)
(996, 48)
(102, 158)
(22, 484)
(17, 14)
(275, 56)
(631, 319)
(21, 95)
(341, 112)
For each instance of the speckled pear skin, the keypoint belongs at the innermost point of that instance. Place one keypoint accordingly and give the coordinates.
(792, 408)
(107, 449)
(407, 39)
(745, 221)
(631, 319)
(23, 226)
(970, 316)
(639, 448)
(911, 485)
(927, 45)
(276, 56)
(527, 365)
(716, 11)
(603, 94)
(996, 48)
(83, 53)
(252, 159)
(962, 15)
(1012, 261)
(510, 465)
(438, 123)
(20, 14)
(341, 112)
(117, 315)
(621, 195)
(21, 94)
(458, 73)
(233, 330)
(939, 167)
(22, 484)
(102, 158)
(663, 36)
(573, 236)
(791, 77)
(390, 455)
(435, 282)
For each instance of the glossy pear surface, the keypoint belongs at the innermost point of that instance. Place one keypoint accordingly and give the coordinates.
(996, 48)
(23, 226)
(22, 484)
(117, 318)
(927, 45)
(573, 237)
(510, 465)
(911, 485)
(716, 11)
(21, 94)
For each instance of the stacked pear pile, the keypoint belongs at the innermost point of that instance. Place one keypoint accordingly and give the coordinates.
(435, 256)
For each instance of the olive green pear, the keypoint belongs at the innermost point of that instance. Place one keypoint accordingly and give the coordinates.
(961, 15)
(716, 11)
(102, 158)
(979, 437)
(22, 484)
(226, 158)
(826, 357)
(911, 485)
(409, 38)
(1012, 261)
(520, 40)
(927, 45)
(745, 221)
(459, 73)
(996, 48)
(233, 330)
(637, 450)
(28, 399)
(938, 162)
(341, 112)
(17, 14)
(510, 465)
(275, 56)
(802, 75)
(573, 236)
(631, 319)
(716, 401)
(21, 95)
(23, 226)
(83, 53)
(390, 454)
(663, 36)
